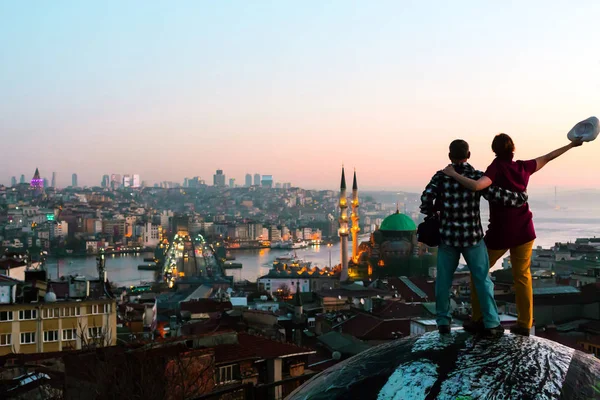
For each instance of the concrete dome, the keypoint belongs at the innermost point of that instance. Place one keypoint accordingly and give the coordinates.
(459, 366)
(50, 297)
(398, 222)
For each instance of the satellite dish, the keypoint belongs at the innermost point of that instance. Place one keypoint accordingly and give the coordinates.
(336, 355)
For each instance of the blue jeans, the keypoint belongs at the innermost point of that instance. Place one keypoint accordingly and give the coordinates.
(479, 265)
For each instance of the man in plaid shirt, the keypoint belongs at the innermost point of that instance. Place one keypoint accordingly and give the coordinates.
(461, 233)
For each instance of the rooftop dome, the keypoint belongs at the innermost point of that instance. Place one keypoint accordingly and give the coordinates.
(398, 222)
(459, 366)
(50, 297)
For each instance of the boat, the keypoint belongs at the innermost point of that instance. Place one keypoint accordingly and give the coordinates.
(300, 245)
(148, 267)
(149, 259)
(232, 265)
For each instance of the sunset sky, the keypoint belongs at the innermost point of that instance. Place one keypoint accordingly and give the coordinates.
(293, 89)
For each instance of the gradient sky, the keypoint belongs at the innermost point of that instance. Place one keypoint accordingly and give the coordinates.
(293, 89)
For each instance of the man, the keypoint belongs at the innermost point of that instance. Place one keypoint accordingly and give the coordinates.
(461, 233)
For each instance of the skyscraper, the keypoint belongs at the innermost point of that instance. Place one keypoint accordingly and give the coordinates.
(231, 182)
(13, 181)
(266, 181)
(54, 179)
(136, 183)
(126, 180)
(105, 181)
(74, 180)
(37, 182)
(256, 179)
(248, 182)
(45, 182)
(219, 178)
(22, 180)
(115, 181)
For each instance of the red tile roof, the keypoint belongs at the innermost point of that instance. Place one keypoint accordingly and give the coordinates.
(204, 306)
(399, 309)
(256, 347)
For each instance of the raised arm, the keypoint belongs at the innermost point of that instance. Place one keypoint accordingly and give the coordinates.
(545, 159)
(471, 184)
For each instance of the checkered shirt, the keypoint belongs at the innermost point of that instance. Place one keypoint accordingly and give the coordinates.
(460, 220)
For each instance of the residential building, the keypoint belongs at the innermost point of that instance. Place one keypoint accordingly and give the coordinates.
(73, 180)
(248, 181)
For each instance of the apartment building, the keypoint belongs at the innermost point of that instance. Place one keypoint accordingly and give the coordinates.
(37, 316)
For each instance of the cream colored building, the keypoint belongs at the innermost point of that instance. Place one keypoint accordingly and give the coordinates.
(53, 324)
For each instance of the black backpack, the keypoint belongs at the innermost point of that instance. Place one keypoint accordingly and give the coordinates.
(428, 231)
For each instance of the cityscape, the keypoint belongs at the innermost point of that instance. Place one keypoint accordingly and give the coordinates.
(299, 200)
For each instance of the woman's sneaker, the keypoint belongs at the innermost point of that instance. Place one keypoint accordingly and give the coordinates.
(519, 330)
(444, 329)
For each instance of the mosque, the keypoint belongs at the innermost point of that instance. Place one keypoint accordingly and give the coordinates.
(392, 249)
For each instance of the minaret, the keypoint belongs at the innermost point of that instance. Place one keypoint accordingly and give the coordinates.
(343, 231)
(355, 218)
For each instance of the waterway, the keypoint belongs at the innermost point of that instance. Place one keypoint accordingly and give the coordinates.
(551, 227)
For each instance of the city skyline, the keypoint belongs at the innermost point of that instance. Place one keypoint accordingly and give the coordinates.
(293, 90)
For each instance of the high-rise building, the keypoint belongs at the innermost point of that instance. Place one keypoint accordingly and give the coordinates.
(105, 181)
(74, 180)
(287, 185)
(186, 182)
(248, 182)
(45, 182)
(256, 179)
(54, 179)
(13, 181)
(266, 181)
(126, 181)
(219, 178)
(115, 181)
(37, 182)
(22, 180)
(136, 181)
(231, 182)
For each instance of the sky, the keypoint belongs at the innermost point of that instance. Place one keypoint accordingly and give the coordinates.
(293, 89)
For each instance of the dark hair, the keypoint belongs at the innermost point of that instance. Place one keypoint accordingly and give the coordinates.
(459, 150)
(503, 146)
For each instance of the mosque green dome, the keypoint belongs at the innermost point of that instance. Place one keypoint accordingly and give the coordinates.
(398, 222)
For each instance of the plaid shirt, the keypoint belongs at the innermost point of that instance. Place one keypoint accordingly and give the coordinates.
(460, 220)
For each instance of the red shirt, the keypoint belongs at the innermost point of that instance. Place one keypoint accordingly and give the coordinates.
(510, 226)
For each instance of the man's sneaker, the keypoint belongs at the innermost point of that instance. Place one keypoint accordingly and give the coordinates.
(473, 327)
(519, 330)
(444, 329)
(494, 333)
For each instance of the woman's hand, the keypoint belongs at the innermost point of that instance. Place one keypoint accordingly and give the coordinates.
(450, 171)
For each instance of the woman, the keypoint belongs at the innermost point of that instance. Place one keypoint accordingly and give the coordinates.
(510, 229)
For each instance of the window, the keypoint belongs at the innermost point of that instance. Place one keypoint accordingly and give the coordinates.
(6, 316)
(27, 337)
(106, 308)
(50, 336)
(311, 322)
(5, 339)
(225, 375)
(50, 313)
(69, 334)
(95, 332)
(70, 312)
(27, 314)
(95, 309)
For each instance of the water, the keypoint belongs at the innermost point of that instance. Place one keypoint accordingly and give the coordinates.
(121, 268)
(551, 227)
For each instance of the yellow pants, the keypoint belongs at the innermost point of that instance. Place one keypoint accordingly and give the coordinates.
(520, 258)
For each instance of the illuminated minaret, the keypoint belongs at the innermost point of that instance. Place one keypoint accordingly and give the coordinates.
(355, 218)
(343, 231)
